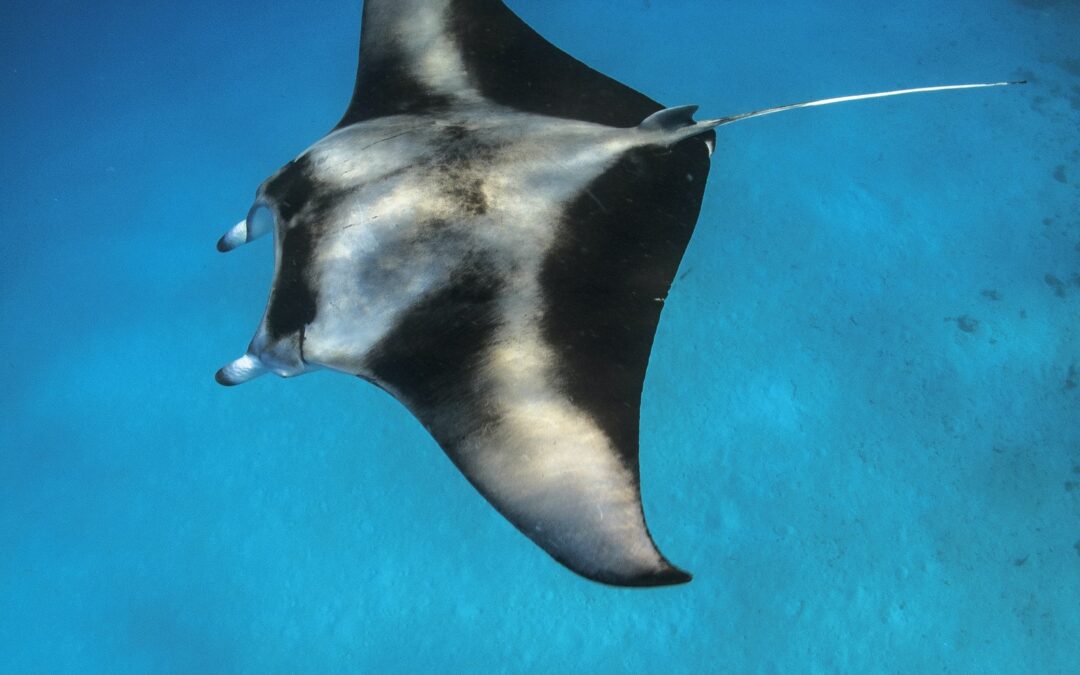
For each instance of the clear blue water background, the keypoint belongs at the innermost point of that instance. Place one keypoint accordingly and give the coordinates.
(858, 483)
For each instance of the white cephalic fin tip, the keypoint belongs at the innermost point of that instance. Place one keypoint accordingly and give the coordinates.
(243, 369)
(237, 236)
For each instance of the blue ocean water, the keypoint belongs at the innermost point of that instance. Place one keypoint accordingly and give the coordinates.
(860, 427)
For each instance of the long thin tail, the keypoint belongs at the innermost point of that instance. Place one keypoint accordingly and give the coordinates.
(857, 97)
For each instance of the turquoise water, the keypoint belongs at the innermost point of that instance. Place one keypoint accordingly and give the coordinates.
(860, 425)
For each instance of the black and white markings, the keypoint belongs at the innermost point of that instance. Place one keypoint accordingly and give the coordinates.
(488, 252)
(489, 234)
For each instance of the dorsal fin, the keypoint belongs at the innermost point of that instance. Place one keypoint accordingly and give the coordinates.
(669, 119)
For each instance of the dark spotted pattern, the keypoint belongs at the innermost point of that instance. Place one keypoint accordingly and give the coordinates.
(461, 159)
(469, 196)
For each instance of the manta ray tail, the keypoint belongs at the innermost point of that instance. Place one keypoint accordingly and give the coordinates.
(857, 97)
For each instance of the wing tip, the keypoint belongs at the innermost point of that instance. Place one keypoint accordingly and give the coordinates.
(669, 575)
(666, 575)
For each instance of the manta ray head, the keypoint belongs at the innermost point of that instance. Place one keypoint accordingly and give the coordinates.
(291, 205)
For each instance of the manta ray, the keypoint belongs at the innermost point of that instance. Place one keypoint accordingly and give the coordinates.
(489, 234)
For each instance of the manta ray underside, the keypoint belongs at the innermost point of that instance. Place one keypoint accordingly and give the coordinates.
(489, 234)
